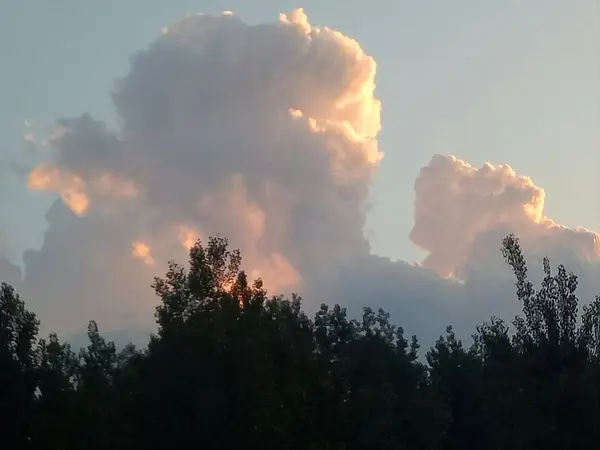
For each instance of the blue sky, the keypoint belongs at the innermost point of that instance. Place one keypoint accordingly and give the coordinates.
(508, 82)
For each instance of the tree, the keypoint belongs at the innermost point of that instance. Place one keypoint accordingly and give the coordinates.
(18, 335)
(55, 409)
(209, 369)
(232, 367)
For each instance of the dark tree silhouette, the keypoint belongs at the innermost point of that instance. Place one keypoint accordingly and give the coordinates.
(18, 333)
(231, 367)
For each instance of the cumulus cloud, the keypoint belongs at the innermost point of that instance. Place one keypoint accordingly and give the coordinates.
(266, 134)
(461, 214)
(459, 210)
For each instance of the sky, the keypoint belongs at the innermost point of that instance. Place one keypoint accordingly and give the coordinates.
(511, 82)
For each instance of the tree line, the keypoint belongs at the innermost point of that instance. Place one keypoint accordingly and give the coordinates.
(231, 367)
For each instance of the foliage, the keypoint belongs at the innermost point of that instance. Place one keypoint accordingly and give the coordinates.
(231, 367)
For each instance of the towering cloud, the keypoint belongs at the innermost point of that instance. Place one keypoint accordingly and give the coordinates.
(267, 134)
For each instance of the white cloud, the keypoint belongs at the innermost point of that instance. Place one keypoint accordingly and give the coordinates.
(457, 204)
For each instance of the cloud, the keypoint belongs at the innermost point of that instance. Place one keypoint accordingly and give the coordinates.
(10, 273)
(458, 208)
(266, 134)
(461, 214)
(85, 270)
